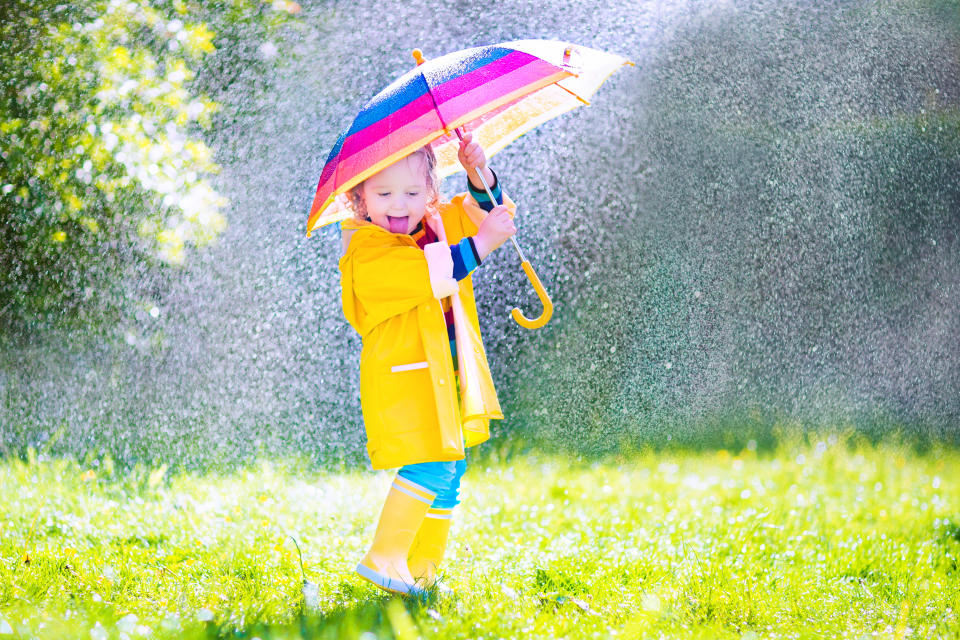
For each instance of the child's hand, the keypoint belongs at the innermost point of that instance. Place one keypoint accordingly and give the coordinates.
(495, 229)
(473, 159)
(471, 154)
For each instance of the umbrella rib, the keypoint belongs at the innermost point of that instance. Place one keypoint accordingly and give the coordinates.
(433, 99)
(575, 95)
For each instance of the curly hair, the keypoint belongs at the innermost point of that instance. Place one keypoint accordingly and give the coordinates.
(359, 207)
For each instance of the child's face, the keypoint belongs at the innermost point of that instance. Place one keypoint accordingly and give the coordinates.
(396, 198)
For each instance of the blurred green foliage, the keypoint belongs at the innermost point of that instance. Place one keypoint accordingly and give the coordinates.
(103, 166)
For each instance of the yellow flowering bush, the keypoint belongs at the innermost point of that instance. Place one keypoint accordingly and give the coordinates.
(103, 163)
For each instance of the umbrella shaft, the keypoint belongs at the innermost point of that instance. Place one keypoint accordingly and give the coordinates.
(486, 188)
(517, 247)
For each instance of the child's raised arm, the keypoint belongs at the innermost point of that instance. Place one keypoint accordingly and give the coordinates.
(497, 227)
(473, 159)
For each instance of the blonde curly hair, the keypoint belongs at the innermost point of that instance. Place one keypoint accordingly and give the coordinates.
(359, 207)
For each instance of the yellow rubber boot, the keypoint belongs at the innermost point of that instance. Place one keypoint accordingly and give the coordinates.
(385, 565)
(429, 546)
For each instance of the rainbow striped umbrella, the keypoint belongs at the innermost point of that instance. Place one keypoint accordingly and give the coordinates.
(497, 92)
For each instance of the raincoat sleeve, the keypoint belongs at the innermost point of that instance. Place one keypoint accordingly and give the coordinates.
(465, 258)
(480, 195)
(382, 281)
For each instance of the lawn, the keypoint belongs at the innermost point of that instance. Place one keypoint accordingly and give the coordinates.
(826, 536)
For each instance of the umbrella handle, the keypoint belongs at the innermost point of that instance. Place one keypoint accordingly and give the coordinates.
(544, 318)
(518, 316)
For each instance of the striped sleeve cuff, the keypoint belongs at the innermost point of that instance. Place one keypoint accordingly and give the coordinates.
(480, 195)
(465, 258)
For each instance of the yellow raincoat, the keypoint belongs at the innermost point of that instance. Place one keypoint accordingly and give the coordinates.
(408, 392)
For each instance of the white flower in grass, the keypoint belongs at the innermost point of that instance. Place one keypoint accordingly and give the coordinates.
(650, 602)
(127, 623)
(171, 622)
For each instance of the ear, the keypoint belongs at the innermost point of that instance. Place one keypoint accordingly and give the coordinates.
(433, 204)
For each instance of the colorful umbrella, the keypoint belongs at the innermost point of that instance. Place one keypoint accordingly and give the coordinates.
(498, 92)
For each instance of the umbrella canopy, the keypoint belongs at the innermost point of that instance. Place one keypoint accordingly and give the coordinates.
(498, 92)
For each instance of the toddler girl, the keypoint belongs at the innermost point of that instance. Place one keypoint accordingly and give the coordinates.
(405, 254)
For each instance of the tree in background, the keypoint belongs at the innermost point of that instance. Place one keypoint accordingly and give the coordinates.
(103, 167)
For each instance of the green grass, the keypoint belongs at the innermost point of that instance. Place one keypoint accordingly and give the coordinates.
(827, 536)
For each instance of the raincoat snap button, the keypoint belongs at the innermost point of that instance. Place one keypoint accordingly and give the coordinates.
(441, 381)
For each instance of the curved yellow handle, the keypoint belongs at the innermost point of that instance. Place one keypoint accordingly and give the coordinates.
(544, 318)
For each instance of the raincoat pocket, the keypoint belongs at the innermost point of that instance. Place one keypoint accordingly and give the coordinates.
(405, 396)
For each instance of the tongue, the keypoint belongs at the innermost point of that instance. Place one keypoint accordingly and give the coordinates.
(398, 225)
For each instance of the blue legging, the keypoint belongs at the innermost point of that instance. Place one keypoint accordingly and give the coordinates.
(442, 478)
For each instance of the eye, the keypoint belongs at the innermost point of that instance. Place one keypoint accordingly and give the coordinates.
(384, 194)
(413, 193)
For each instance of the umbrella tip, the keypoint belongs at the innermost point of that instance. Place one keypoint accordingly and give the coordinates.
(418, 56)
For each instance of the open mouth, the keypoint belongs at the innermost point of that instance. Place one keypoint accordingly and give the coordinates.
(398, 224)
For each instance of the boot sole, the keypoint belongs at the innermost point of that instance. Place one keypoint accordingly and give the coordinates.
(393, 585)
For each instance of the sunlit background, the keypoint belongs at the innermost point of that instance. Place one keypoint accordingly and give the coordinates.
(758, 225)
